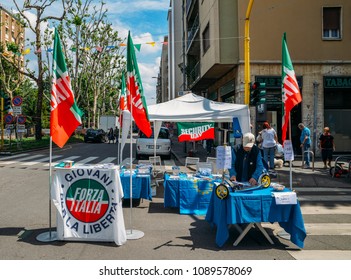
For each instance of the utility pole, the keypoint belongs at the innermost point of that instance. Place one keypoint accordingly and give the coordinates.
(315, 102)
(247, 53)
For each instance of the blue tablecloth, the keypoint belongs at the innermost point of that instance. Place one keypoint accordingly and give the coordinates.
(192, 196)
(254, 207)
(141, 186)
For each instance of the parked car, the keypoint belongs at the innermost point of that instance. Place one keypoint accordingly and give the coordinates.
(145, 145)
(95, 135)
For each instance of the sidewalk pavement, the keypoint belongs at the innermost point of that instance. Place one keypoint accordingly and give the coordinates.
(315, 177)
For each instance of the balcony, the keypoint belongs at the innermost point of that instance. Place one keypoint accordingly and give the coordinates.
(188, 5)
(192, 32)
(194, 75)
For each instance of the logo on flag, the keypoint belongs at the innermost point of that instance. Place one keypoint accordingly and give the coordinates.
(87, 200)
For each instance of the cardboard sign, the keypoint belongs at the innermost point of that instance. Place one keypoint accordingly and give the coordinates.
(224, 157)
(288, 151)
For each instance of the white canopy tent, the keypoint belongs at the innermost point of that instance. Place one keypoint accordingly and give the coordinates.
(194, 108)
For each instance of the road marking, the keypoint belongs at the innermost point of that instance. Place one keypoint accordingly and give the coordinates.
(107, 160)
(320, 210)
(40, 160)
(22, 159)
(320, 255)
(328, 229)
(14, 156)
(68, 158)
(86, 160)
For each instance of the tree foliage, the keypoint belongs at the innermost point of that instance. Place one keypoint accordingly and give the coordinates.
(93, 56)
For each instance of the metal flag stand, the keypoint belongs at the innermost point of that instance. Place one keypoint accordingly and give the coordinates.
(50, 235)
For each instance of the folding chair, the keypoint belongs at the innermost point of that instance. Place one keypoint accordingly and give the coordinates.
(144, 161)
(212, 160)
(155, 160)
(191, 160)
(204, 165)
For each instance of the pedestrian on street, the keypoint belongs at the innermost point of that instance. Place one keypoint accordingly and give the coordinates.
(116, 134)
(247, 165)
(111, 136)
(327, 146)
(269, 143)
(209, 145)
(305, 143)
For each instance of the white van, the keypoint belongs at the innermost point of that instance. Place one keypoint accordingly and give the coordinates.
(145, 145)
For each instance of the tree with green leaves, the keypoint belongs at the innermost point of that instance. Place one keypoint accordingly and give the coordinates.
(95, 60)
(39, 8)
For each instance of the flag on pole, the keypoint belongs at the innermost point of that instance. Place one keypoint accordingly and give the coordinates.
(65, 115)
(291, 95)
(122, 100)
(122, 97)
(135, 99)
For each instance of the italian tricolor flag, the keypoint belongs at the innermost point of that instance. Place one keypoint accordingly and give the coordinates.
(135, 98)
(291, 95)
(65, 115)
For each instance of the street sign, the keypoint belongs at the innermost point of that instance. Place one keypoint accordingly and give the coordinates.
(10, 126)
(21, 119)
(17, 110)
(9, 118)
(21, 128)
(17, 101)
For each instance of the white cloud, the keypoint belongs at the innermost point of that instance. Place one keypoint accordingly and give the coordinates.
(133, 16)
(134, 6)
(148, 73)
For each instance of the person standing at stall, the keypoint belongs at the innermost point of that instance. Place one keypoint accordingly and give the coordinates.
(305, 140)
(327, 146)
(247, 165)
(269, 143)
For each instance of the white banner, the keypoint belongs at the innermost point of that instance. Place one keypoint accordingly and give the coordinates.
(89, 204)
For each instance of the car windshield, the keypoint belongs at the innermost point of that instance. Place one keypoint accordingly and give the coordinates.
(163, 134)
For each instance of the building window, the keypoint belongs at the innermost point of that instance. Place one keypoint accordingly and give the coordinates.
(206, 38)
(332, 23)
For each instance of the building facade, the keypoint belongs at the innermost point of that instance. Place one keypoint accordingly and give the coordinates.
(11, 30)
(318, 37)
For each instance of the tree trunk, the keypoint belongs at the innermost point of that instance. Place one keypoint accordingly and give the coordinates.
(38, 111)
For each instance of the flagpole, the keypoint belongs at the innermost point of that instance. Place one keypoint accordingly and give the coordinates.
(118, 142)
(290, 171)
(51, 235)
(132, 234)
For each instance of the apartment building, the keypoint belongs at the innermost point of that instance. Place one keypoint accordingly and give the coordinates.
(318, 37)
(11, 31)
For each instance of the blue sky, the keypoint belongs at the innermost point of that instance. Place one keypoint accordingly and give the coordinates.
(147, 22)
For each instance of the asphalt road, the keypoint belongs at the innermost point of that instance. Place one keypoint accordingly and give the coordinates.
(24, 208)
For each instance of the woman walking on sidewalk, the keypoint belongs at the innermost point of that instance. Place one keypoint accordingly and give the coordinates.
(327, 146)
